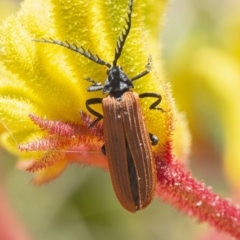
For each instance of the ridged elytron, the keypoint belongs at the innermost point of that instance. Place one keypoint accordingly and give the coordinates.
(127, 142)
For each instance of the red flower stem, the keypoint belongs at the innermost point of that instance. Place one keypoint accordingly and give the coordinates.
(177, 187)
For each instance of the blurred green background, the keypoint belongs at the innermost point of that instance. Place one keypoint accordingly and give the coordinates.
(81, 203)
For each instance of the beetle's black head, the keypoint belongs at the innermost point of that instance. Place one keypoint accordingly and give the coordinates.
(117, 81)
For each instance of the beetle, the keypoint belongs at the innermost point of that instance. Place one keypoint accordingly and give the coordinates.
(127, 141)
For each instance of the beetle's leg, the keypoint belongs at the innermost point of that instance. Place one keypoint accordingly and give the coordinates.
(103, 149)
(93, 112)
(96, 86)
(154, 95)
(140, 75)
(94, 82)
(153, 138)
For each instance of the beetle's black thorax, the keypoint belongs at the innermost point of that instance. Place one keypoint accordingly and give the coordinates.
(117, 82)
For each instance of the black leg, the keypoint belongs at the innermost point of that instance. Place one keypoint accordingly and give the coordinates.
(96, 86)
(154, 95)
(93, 112)
(103, 149)
(153, 138)
(140, 75)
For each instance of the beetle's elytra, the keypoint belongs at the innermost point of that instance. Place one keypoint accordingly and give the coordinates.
(126, 138)
(127, 141)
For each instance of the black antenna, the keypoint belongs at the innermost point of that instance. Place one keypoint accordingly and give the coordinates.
(74, 47)
(122, 38)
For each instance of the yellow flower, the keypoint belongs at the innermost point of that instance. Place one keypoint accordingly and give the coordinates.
(43, 90)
